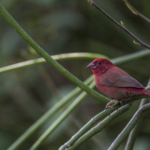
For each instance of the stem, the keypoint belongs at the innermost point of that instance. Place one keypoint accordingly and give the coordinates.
(135, 119)
(66, 56)
(93, 121)
(130, 57)
(73, 105)
(47, 115)
(135, 12)
(133, 134)
(140, 43)
(87, 126)
(99, 127)
(49, 59)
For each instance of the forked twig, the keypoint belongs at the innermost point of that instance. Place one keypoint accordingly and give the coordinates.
(138, 41)
(134, 11)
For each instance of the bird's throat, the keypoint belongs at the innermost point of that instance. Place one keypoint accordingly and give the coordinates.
(97, 71)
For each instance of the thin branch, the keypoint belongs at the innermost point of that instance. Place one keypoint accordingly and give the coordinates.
(49, 59)
(133, 134)
(140, 43)
(135, 119)
(135, 12)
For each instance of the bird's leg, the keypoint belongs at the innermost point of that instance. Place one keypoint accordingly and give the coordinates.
(108, 104)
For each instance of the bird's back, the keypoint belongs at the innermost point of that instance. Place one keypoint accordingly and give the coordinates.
(117, 84)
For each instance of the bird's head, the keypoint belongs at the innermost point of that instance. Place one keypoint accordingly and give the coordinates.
(100, 65)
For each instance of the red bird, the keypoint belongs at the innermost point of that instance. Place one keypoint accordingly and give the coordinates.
(114, 82)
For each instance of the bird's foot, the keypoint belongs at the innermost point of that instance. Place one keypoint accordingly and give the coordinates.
(109, 105)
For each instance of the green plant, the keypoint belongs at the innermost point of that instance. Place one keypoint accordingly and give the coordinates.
(83, 136)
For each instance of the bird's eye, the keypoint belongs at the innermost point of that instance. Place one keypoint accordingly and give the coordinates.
(99, 63)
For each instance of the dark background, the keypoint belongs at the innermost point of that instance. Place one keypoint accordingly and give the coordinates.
(63, 27)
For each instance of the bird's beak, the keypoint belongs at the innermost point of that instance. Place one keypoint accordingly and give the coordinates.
(91, 65)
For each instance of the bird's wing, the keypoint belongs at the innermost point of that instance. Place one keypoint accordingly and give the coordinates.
(116, 77)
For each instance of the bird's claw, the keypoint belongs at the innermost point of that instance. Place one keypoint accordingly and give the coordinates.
(109, 107)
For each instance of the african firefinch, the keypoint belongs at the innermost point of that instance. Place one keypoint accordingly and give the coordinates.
(114, 82)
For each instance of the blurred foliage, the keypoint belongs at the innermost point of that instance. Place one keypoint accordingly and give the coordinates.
(60, 27)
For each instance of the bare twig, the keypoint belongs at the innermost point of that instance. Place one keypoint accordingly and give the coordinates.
(135, 12)
(140, 43)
